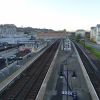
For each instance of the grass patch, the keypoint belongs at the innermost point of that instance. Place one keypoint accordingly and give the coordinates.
(92, 50)
(95, 52)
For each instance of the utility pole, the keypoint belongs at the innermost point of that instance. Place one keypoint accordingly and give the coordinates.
(84, 42)
(67, 83)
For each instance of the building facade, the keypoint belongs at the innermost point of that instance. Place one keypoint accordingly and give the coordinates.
(7, 30)
(98, 34)
(95, 34)
(51, 35)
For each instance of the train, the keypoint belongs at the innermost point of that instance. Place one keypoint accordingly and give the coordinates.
(23, 52)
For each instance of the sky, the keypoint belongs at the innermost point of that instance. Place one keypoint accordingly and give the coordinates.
(52, 14)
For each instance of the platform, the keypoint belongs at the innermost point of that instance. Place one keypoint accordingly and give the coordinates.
(56, 87)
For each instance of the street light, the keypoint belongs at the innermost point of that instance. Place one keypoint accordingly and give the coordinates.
(6, 58)
(84, 42)
(74, 74)
(66, 76)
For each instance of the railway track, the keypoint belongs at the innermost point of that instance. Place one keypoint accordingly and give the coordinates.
(92, 70)
(29, 83)
(9, 47)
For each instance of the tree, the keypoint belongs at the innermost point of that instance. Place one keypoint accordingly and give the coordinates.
(78, 37)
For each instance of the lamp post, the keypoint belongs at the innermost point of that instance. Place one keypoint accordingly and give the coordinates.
(74, 74)
(84, 42)
(6, 58)
(67, 81)
(5, 48)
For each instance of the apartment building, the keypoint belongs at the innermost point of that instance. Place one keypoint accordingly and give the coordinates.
(7, 30)
(98, 34)
(95, 34)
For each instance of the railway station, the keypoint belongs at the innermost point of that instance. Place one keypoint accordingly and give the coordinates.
(45, 70)
(49, 50)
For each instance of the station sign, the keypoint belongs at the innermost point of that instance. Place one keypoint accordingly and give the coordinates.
(70, 93)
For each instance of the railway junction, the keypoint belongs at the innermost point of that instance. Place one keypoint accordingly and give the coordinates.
(55, 72)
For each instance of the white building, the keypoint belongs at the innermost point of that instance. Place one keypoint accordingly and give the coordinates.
(98, 34)
(95, 34)
(7, 30)
(80, 32)
(9, 33)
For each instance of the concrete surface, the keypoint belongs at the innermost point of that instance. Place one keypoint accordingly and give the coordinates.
(57, 83)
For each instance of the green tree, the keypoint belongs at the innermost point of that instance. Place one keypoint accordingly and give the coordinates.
(78, 37)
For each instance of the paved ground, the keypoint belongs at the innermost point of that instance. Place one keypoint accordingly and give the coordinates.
(57, 85)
